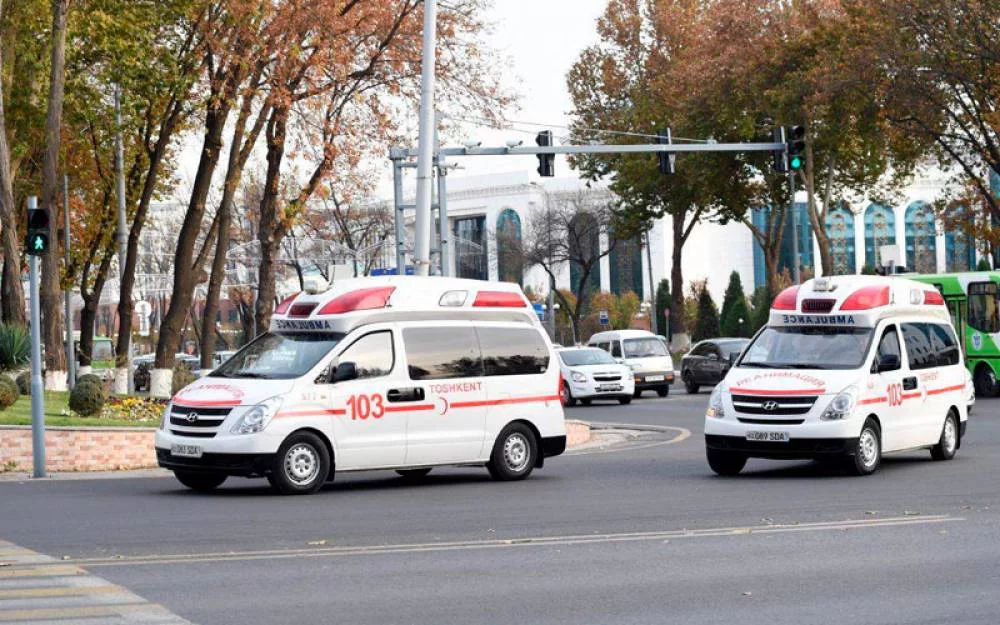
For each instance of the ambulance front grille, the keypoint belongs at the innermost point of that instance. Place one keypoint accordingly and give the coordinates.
(197, 422)
(773, 406)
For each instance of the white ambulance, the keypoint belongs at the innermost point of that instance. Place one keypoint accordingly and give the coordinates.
(400, 373)
(848, 367)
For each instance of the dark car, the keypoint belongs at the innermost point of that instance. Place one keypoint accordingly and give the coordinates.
(709, 361)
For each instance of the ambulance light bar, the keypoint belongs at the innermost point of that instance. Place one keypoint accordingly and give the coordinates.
(361, 299)
(867, 298)
(498, 299)
(282, 308)
(787, 299)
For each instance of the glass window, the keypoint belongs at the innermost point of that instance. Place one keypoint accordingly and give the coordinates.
(946, 344)
(983, 307)
(372, 354)
(920, 353)
(732, 347)
(441, 353)
(279, 356)
(701, 349)
(616, 349)
(512, 351)
(578, 357)
(644, 348)
(889, 346)
(880, 229)
(921, 238)
(470, 248)
(808, 347)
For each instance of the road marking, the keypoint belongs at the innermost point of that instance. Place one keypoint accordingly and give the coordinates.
(576, 539)
(38, 588)
(682, 434)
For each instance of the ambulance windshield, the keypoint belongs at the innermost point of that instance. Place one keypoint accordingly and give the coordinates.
(808, 347)
(279, 356)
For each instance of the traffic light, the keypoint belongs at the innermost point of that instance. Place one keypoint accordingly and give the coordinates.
(665, 160)
(37, 241)
(780, 156)
(796, 138)
(546, 162)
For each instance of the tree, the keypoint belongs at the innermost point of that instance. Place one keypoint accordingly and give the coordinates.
(735, 320)
(566, 234)
(625, 309)
(983, 265)
(662, 306)
(11, 291)
(707, 322)
(761, 313)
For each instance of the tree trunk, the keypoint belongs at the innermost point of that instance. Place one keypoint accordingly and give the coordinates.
(214, 294)
(678, 320)
(270, 230)
(11, 290)
(182, 293)
(50, 295)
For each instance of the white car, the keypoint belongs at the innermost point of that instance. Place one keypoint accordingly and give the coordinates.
(591, 373)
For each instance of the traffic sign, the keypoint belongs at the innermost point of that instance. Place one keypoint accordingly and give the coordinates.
(602, 318)
(539, 310)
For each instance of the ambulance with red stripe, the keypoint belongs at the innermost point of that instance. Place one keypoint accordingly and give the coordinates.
(848, 368)
(400, 373)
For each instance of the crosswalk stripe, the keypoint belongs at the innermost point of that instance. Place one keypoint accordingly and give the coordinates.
(25, 593)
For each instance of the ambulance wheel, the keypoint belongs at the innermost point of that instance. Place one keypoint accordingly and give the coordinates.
(201, 482)
(725, 463)
(868, 453)
(413, 474)
(567, 396)
(986, 381)
(663, 391)
(301, 465)
(514, 453)
(624, 400)
(948, 443)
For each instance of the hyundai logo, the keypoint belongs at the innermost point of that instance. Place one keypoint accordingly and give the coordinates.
(770, 406)
(191, 417)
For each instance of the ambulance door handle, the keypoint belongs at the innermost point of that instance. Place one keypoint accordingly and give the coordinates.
(909, 383)
(415, 393)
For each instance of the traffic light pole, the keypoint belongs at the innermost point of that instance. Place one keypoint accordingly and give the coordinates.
(37, 386)
(796, 272)
(68, 294)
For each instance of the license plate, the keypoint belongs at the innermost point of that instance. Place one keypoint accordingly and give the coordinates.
(769, 437)
(609, 387)
(185, 451)
(654, 378)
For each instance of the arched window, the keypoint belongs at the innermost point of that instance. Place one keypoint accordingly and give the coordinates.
(880, 229)
(510, 267)
(625, 262)
(921, 238)
(840, 230)
(959, 246)
(585, 243)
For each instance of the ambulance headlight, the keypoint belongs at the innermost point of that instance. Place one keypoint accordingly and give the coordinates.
(165, 417)
(716, 410)
(257, 418)
(841, 406)
(576, 376)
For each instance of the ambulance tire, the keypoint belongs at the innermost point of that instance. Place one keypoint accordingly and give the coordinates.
(948, 443)
(986, 381)
(867, 455)
(301, 466)
(515, 453)
(201, 482)
(413, 474)
(725, 463)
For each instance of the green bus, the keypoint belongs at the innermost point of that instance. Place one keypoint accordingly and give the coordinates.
(974, 302)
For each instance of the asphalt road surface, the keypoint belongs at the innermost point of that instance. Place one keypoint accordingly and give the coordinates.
(640, 533)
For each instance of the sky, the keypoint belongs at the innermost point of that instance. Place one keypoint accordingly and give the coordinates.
(542, 39)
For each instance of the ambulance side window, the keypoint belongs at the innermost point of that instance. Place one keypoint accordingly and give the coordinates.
(372, 354)
(945, 344)
(442, 353)
(888, 347)
(920, 353)
(513, 351)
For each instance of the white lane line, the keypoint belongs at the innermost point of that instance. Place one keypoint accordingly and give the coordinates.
(575, 539)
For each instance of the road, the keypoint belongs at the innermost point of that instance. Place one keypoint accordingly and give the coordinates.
(638, 534)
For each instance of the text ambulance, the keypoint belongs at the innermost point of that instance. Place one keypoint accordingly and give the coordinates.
(849, 367)
(401, 373)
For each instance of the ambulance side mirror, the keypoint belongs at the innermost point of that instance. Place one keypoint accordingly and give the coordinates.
(345, 371)
(889, 362)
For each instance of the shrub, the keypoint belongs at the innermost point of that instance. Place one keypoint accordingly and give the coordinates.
(87, 398)
(662, 306)
(983, 265)
(23, 382)
(15, 347)
(182, 377)
(8, 392)
(736, 319)
(90, 378)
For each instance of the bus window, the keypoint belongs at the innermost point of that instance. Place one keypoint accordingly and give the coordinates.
(983, 312)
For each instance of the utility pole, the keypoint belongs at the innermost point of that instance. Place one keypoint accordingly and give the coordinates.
(122, 234)
(68, 294)
(796, 277)
(37, 387)
(425, 156)
(653, 321)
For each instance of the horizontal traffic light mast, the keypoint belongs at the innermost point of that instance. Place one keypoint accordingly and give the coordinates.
(638, 148)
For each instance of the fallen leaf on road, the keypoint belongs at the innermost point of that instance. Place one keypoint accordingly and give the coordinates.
(910, 513)
(316, 543)
(870, 512)
(747, 593)
(4, 563)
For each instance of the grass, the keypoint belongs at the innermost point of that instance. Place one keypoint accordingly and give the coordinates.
(55, 404)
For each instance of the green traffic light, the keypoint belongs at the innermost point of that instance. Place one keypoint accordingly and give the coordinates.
(795, 162)
(39, 243)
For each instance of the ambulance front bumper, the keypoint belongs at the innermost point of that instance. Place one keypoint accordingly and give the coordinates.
(812, 439)
(249, 454)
